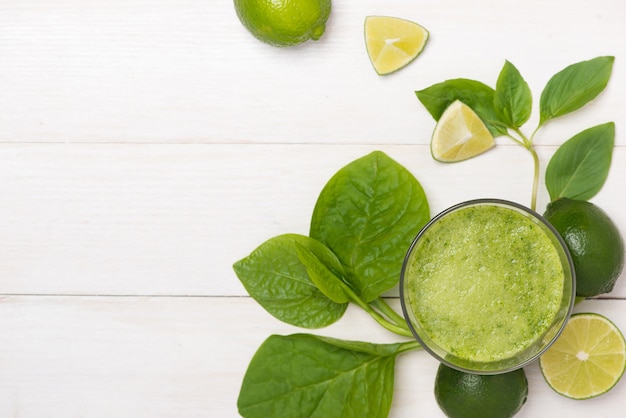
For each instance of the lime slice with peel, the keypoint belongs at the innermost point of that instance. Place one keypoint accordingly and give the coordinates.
(460, 134)
(392, 43)
(587, 360)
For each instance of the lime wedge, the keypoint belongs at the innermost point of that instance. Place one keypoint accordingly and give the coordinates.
(587, 360)
(392, 43)
(460, 134)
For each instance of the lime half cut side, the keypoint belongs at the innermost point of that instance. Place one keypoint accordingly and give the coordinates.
(587, 360)
(392, 43)
(460, 134)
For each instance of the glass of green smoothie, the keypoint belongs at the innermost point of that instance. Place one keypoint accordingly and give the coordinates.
(487, 286)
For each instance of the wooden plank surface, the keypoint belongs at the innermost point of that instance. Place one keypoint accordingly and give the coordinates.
(187, 71)
(170, 219)
(147, 145)
(185, 357)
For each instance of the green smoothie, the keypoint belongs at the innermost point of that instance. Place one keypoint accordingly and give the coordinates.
(485, 282)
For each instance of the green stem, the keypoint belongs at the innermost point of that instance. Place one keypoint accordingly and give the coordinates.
(533, 202)
(377, 317)
(528, 144)
(388, 311)
(518, 141)
(525, 141)
(532, 136)
(386, 324)
(408, 346)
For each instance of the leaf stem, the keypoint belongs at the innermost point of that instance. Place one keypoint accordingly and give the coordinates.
(408, 346)
(517, 140)
(386, 324)
(533, 201)
(380, 304)
(404, 331)
(528, 144)
(532, 136)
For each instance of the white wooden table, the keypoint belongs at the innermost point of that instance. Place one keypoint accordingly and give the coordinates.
(147, 145)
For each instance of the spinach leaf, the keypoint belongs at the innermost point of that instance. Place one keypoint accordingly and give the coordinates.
(580, 166)
(475, 94)
(367, 214)
(574, 86)
(325, 280)
(513, 99)
(304, 375)
(276, 278)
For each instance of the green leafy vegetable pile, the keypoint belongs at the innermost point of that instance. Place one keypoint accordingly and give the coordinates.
(363, 223)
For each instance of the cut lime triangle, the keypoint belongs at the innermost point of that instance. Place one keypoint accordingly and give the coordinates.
(460, 134)
(392, 43)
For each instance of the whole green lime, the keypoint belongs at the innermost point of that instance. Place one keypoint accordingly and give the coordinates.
(284, 22)
(595, 243)
(467, 395)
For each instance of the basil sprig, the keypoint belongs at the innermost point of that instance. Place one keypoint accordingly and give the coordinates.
(580, 166)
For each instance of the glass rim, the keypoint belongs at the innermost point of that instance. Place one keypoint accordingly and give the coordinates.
(572, 279)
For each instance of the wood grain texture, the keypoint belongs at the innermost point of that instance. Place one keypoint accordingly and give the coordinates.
(170, 219)
(130, 357)
(187, 71)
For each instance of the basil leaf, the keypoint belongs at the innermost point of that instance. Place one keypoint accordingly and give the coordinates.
(325, 280)
(478, 96)
(580, 166)
(304, 375)
(513, 99)
(276, 278)
(573, 87)
(367, 214)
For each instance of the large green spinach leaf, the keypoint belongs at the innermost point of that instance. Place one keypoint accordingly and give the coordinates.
(304, 375)
(367, 214)
(275, 276)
